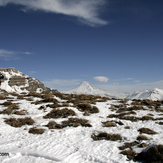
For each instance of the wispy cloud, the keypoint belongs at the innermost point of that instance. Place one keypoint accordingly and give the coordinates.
(32, 72)
(7, 55)
(27, 53)
(123, 79)
(87, 11)
(137, 81)
(11, 55)
(101, 79)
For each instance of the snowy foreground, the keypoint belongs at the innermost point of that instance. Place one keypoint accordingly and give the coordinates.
(72, 144)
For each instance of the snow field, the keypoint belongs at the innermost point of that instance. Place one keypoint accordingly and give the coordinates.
(70, 144)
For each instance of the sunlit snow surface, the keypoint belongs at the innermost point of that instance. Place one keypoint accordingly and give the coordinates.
(70, 145)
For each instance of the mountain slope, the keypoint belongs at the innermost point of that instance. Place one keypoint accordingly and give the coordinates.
(155, 94)
(16, 81)
(86, 88)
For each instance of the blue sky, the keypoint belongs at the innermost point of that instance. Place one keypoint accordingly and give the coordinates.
(115, 45)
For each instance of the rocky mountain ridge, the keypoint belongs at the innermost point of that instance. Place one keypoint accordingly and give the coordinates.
(16, 81)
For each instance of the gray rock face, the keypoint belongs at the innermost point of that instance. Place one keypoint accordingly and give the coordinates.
(16, 80)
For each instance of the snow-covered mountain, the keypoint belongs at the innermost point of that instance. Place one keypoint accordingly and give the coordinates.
(86, 88)
(16, 81)
(154, 94)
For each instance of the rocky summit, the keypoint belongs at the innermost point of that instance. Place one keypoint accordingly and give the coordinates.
(16, 81)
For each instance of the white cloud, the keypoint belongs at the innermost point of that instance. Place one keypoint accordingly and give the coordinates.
(101, 79)
(7, 55)
(11, 55)
(87, 11)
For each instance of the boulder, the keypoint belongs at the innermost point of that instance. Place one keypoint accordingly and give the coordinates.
(151, 154)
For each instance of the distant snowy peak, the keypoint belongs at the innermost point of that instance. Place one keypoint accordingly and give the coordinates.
(86, 88)
(155, 94)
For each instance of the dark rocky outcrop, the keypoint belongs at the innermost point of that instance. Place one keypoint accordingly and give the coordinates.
(152, 154)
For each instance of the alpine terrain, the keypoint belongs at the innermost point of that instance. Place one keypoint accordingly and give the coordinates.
(40, 125)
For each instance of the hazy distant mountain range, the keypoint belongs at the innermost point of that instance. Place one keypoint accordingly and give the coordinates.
(15, 81)
(87, 88)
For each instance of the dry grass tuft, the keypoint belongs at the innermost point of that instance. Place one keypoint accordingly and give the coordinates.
(106, 136)
(34, 94)
(11, 109)
(151, 104)
(20, 97)
(123, 108)
(113, 108)
(160, 123)
(129, 153)
(53, 125)
(20, 112)
(109, 124)
(29, 99)
(85, 107)
(147, 131)
(65, 104)
(60, 113)
(54, 105)
(159, 109)
(130, 118)
(142, 137)
(127, 127)
(19, 121)
(7, 103)
(145, 118)
(128, 145)
(49, 98)
(36, 130)
(75, 122)
(3, 97)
